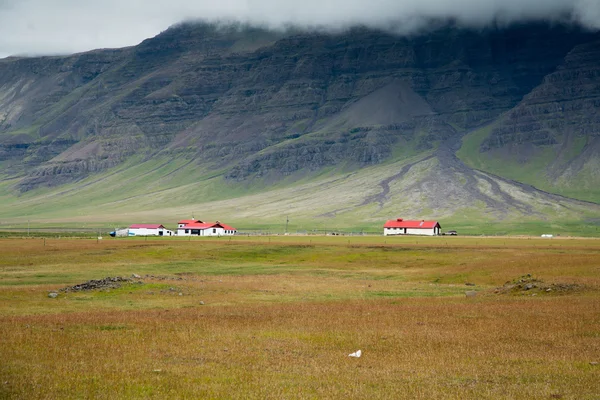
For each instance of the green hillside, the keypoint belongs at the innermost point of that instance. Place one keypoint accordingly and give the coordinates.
(536, 167)
(164, 191)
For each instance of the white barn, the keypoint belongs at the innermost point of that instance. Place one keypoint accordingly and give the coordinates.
(402, 227)
(149, 230)
(192, 227)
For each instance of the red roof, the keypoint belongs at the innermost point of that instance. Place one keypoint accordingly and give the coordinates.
(189, 221)
(400, 223)
(200, 225)
(147, 226)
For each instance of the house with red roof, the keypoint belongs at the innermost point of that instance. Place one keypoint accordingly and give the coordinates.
(194, 227)
(405, 227)
(148, 230)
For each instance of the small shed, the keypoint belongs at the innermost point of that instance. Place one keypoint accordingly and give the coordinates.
(406, 227)
(149, 230)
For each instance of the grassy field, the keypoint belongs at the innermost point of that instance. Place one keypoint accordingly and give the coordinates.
(276, 317)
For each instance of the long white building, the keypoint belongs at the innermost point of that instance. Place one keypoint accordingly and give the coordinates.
(149, 230)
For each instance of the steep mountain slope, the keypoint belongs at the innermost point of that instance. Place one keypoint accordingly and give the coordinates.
(203, 113)
(551, 139)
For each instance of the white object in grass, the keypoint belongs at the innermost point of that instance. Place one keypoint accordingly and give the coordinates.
(355, 354)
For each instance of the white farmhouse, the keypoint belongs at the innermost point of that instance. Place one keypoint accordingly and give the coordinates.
(402, 227)
(149, 230)
(192, 227)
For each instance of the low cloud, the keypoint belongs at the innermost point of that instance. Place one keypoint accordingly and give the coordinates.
(38, 27)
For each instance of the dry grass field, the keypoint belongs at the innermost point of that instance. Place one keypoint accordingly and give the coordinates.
(277, 317)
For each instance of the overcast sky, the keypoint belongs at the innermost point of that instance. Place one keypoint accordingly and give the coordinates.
(38, 27)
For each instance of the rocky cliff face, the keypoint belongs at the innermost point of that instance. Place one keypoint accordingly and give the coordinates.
(565, 103)
(254, 104)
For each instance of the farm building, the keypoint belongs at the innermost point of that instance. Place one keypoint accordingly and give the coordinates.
(403, 227)
(149, 230)
(191, 227)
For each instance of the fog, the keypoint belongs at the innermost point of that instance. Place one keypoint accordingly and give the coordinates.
(39, 27)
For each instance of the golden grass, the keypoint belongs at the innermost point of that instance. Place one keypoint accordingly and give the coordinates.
(280, 319)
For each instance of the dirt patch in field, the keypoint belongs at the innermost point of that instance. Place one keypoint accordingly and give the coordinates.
(530, 285)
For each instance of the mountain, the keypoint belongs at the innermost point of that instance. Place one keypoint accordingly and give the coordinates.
(347, 129)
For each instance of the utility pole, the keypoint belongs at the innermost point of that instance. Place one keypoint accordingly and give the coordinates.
(287, 221)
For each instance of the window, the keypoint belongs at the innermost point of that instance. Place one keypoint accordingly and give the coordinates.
(214, 230)
(187, 231)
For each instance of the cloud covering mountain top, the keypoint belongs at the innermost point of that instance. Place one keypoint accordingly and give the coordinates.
(67, 26)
